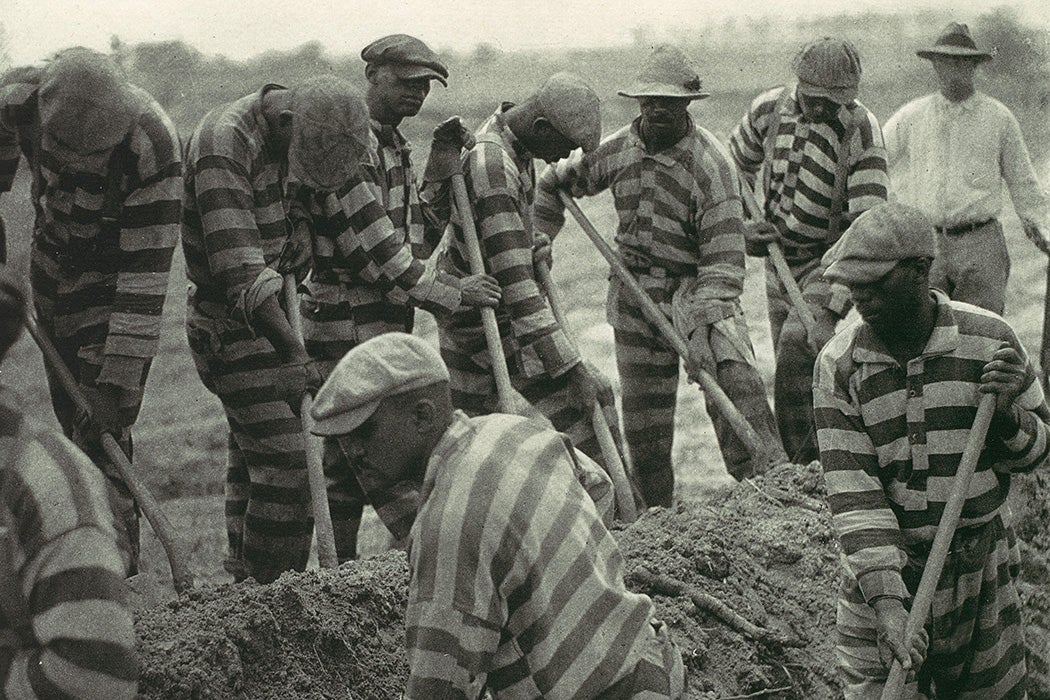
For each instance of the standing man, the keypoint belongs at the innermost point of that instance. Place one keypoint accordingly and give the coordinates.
(65, 626)
(517, 586)
(681, 233)
(950, 153)
(368, 274)
(501, 184)
(106, 167)
(823, 163)
(248, 165)
(895, 395)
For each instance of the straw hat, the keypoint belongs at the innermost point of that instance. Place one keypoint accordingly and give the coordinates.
(667, 72)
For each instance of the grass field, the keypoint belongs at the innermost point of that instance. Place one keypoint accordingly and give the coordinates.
(181, 434)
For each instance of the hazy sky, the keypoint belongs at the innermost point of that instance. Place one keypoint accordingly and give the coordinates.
(240, 28)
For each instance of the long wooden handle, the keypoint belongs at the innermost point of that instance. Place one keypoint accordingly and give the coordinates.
(736, 420)
(177, 554)
(776, 256)
(326, 554)
(1044, 350)
(942, 541)
(504, 389)
(621, 484)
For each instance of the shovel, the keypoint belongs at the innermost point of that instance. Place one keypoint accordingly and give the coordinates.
(743, 430)
(177, 554)
(326, 554)
(942, 541)
(625, 493)
(776, 256)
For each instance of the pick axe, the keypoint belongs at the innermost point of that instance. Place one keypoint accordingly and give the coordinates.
(776, 256)
(177, 554)
(510, 400)
(743, 430)
(624, 489)
(326, 554)
(942, 541)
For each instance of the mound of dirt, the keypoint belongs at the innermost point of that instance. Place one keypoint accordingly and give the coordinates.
(746, 580)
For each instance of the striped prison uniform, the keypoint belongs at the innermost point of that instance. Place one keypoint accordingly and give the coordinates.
(516, 584)
(368, 276)
(65, 627)
(681, 234)
(817, 179)
(891, 439)
(501, 183)
(105, 230)
(234, 226)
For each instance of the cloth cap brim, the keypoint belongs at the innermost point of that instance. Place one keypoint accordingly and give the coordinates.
(853, 271)
(344, 423)
(415, 71)
(842, 95)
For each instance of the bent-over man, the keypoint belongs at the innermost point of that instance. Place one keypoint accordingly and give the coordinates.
(517, 586)
(895, 396)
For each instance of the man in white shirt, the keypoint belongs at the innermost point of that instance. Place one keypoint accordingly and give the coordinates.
(950, 153)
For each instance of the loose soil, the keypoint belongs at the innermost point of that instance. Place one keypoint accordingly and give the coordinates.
(765, 548)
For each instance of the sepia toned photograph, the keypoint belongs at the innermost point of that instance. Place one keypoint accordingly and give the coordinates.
(516, 351)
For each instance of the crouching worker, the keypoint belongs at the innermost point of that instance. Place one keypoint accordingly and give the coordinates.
(65, 628)
(517, 586)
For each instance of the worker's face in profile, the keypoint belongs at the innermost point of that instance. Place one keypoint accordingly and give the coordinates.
(897, 294)
(396, 97)
(817, 108)
(387, 448)
(955, 73)
(548, 144)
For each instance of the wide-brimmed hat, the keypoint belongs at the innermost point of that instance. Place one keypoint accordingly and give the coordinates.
(330, 132)
(409, 57)
(830, 68)
(955, 41)
(667, 72)
(85, 102)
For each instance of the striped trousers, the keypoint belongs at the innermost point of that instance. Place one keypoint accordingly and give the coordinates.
(337, 318)
(793, 385)
(474, 388)
(649, 373)
(268, 521)
(976, 638)
(77, 324)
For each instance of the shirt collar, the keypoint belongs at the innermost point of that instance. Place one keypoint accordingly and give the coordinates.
(942, 102)
(260, 119)
(389, 136)
(517, 147)
(869, 348)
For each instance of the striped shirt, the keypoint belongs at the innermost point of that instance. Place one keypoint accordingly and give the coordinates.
(65, 627)
(804, 162)
(515, 582)
(501, 183)
(891, 438)
(373, 232)
(102, 283)
(679, 210)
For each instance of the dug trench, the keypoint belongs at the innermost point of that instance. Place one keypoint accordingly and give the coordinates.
(746, 578)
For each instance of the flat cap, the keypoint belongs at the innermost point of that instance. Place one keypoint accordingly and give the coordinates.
(877, 240)
(571, 106)
(85, 101)
(408, 56)
(387, 365)
(830, 68)
(330, 132)
(667, 72)
(955, 41)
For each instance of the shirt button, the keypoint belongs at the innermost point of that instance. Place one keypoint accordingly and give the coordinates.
(912, 393)
(915, 437)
